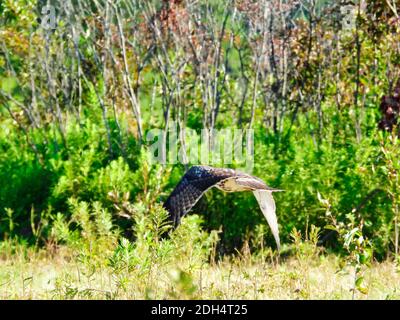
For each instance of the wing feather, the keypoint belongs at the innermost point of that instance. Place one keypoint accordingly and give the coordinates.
(196, 181)
(267, 206)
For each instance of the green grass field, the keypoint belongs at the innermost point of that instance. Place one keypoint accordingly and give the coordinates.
(65, 275)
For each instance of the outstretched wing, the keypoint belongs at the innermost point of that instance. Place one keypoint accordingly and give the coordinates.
(267, 205)
(196, 181)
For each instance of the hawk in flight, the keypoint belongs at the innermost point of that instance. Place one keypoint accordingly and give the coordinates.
(198, 179)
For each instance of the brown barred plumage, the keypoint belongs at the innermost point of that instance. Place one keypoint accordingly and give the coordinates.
(198, 179)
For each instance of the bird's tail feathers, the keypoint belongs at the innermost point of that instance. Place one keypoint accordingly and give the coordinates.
(267, 206)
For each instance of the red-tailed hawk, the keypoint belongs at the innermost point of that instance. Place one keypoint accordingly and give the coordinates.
(198, 179)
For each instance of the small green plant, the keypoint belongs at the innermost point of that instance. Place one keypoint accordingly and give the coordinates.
(89, 228)
(360, 256)
(306, 249)
(9, 218)
(358, 248)
(183, 286)
(390, 148)
(123, 257)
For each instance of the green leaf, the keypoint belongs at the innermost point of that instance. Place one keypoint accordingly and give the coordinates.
(359, 285)
(349, 236)
(359, 281)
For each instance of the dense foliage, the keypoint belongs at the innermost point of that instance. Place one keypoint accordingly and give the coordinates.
(77, 100)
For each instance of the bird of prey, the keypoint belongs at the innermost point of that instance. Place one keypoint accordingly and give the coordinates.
(198, 179)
